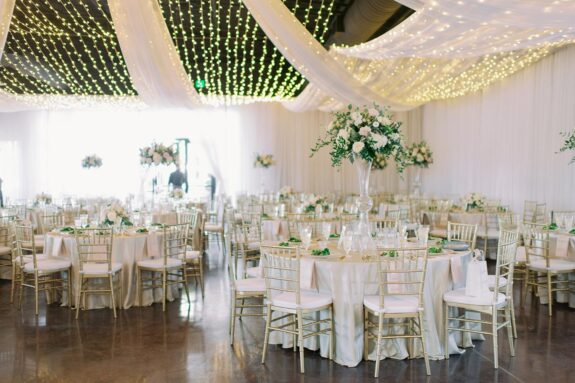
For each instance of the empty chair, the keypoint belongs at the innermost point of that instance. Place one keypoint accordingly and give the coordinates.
(401, 279)
(463, 233)
(193, 259)
(95, 262)
(534, 212)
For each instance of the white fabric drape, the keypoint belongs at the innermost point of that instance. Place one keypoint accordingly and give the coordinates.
(152, 59)
(503, 141)
(308, 56)
(6, 9)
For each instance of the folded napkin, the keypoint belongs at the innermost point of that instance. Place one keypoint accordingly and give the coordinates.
(559, 245)
(457, 271)
(476, 284)
(56, 249)
(307, 274)
(154, 245)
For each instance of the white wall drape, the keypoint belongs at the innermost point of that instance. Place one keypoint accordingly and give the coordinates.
(503, 141)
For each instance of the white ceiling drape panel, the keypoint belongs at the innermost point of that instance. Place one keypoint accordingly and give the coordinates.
(309, 57)
(152, 59)
(6, 9)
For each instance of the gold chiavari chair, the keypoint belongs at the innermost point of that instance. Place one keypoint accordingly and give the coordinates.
(281, 271)
(562, 218)
(216, 227)
(294, 220)
(170, 266)
(248, 238)
(52, 221)
(6, 243)
(193, 259)
(38, 272)
(534, 212)
(95, 262)
(463, 233)
(499, 300)
(382, 223)
(240, 291)
(401, 277)
(542, 269)
(506, 236)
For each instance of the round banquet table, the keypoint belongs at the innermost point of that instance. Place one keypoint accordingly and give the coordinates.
(126, 249)
(350, 279)
(276, 229)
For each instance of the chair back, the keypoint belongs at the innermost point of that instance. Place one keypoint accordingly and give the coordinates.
(462, 232)
(175, 241)
(294, 221)
(6, 230)
(507, 220)
(281, 270)
(534, 212)
(94, 245)
(51, 221)
(402, 272)
(189, 217)
(25, 243)
(377, 223)
(506, 251)
(536, 240)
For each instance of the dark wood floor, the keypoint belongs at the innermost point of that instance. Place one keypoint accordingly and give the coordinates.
(190, 343)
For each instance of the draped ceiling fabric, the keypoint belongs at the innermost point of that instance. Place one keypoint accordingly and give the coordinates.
(447, 48)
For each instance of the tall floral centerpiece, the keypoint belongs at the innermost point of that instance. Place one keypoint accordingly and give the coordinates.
(116, 215)
(362, 135)
(420, 157)
(474, 201)
(92, 161)
(569, 143)
(156, 155)
(263, 161)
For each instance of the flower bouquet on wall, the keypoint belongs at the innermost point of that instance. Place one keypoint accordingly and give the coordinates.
(92, 161)
(264, 161)
(363, 135)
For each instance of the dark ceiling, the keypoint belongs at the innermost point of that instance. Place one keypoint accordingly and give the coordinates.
(69, 47)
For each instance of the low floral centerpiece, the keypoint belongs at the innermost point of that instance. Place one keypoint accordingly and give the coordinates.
(157, 154)
(43, 199)
(286, 192)
(92, 161)
(115, 214)
(177, 193)
(311, 204)
(419, 155)
(569, 143)
(474, 201)
(264, 161)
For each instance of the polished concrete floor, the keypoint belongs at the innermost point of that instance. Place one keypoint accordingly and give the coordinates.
(189, 343)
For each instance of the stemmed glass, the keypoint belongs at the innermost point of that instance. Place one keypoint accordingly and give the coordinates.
(422, 234)
(347, 242)
(325, 229)
(305, 235)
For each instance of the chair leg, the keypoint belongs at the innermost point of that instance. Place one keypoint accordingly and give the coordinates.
(508, 319)
(185, 279)
(13, 287)
(300, 340)
(331, 334)
(365, 331)
(233, 317)
(549, 293)
(267, 333)
(79, 295)
(378, 345)
(513, 323)
(164, 289)
(294, 337)
(21, 292)
(422, 333)
(494, 334)
(525, 286)
(36, 293)
(112, 294)
(201, 264)
(139, 285)
(446, 330)
(69, 287)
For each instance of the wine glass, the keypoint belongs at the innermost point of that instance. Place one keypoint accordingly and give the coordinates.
(305, 235)
(422, 234)
(325, 229)
(347, 242)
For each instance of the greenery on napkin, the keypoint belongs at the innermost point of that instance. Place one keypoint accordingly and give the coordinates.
(67, 229)
(435, 250)
(294, 239)
(320, 251)
(142, 230)
(265, 216)
(391, 253)
(572, 231)
(284, 244)
(551, 226)
(334, 235)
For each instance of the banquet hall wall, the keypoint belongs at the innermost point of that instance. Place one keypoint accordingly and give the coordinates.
(502, 142)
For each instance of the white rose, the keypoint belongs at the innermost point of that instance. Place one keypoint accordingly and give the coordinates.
(343, 134)
(419, 158)
(365, 131)
(373, 112)
(423, 149)
(150, 151)
(385, 120)
(380, 141)
(356, 116)
(358, 146)
(375, 124)
(414, 152)
(394, 136)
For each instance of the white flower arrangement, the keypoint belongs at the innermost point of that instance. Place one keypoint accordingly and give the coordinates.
(474, 201)
(419, 155)
(92, 161)
(115, 213)
(285, 192)
(569, 143)
(157, 154)
(264, 161)
(43, 198)
(379, 162)
(177, 193)
(364, 133)
(311, 204)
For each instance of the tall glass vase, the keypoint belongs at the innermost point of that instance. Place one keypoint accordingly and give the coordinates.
(364, 241)
(416, 189)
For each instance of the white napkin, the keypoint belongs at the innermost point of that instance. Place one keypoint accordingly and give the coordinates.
(56, 246)
(476, 283)
(153, 243)
(559, 246)
(307, 278)
(456, 270)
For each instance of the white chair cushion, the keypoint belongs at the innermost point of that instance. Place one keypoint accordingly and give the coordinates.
(520, 254)
(554, 265)
(441, 233)
(24, 259)
(191, 255)
(5, 250)
(47, 265)
(257, 285)
(254, 272)
(308, 300)
(39, 238)
(393, 304)
(39, 245)
(92, 268)
(158, 263)
(458, 296)
(491, 282)
(214, 228)
(254, 245)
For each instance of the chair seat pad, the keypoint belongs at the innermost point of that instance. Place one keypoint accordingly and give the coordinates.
(48, 265)
(491, 282)
(24, 259)
(257, 285)
(520, 254)
(39, 244)
(214, 228)
(5, 250)
(92, 268)
(191, 255)
(554, 265)
(393, 304)
(158, 263)
(254, 272)
(39, 238)
(458, 296)
(441, 233)
(308, 301)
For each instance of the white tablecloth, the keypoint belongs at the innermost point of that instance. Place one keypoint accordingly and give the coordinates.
(127, 250)
(349, 280)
